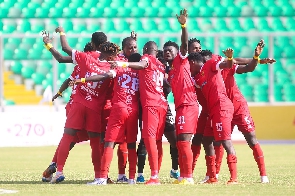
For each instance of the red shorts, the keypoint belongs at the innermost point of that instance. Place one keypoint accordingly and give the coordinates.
(186, 119)
(81, 117)
(153, 122)
(208, 130)
(105, 117)
(221, 124)
(123, 124)
(202, 122)
(243, 119)
(68, 107)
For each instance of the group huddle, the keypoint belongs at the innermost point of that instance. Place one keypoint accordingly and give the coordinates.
(114, 92)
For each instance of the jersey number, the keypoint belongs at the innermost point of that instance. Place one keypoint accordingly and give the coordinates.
(93, 85)
(181, 120)
(128, 79)
(158, 78)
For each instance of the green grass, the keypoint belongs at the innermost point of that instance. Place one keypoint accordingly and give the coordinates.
(21, 170)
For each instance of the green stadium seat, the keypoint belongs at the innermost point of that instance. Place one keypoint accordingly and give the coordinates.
(151, 12)
(69, 12)
(206, 25)
(137, 12)
(225, 42)
(170, 98)
(247, 91)
(290, 24)
(28, 12)
(150, 26)
(52, 25)
(164, 26)
(220, 11)
(27, 71)
(83, 12)
(46, 83)
(289, 92)
(260, 11)
(108, 26)
(123, 12)
(116, 40)
(8, 102)
(278, 95)
(20, 54)
(290, 65)
(42, 12)
(248, 24)
(4, 12)
(274, 11)
(193, 11)
(16, 67)
(109, 12)
(46, 55)
(24, 26)
(96, 12)
(35, 53)
(287, 10)
(262, 25)
(38, 78)
(1, 26)
(8, 53)
(247, 11)
(122, 26)
(9, 27)
(233, 11)
(91, 28)
(165, 12)
(235, 25)
(289, 52)
(277, 25)
(192, 26)
(246, 52)
(206, 12)
(220, 25)
(55, 12)
(14, 12)
(136, 25)
(79, 27)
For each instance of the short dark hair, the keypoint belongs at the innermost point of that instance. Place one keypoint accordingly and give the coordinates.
(126, 40)
(109, 48)
(195, 56)
(98, 38)
(206, 53)
(88, 47)
(193, 40)
(171, 43)
(135, 57)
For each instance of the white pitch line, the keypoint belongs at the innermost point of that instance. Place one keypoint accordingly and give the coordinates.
(5, 191)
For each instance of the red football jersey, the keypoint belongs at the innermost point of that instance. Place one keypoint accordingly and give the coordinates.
(151, 83)
(211, 82)
(181, 82)
(91, 94)
(202, 100)
(73, 76)
(232, 90)
(126, 88)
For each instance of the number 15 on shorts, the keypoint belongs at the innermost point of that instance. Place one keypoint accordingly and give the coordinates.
(219, 126)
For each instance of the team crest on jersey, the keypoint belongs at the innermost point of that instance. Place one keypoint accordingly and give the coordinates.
(202, 73)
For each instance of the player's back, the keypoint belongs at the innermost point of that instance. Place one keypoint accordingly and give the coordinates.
(211, 82)
(181, 82)
(232, 90)
(126, 88)
(151, 83)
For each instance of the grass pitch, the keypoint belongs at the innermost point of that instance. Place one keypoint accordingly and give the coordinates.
(21, 170)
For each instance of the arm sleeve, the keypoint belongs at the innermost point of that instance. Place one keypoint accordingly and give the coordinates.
(78, 57)
(74, 73)
(145, 58)
(215, 63)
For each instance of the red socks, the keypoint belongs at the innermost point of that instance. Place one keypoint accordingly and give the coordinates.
(151, 147)
(54, 159)
(219, 151)
(259, 158)
(187, 158)
(232, 166)
(122, 153)
(63, 151)
(160, 153)
(95, 155)
(132, 159)
(196, 153)
(106, 162)
(211, 169)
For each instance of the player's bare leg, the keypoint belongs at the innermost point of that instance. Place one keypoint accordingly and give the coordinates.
(186, 158)
(122, 153)
(141, 156)
(132, 159)
(231, 160)
(210, 160)
(257, 154)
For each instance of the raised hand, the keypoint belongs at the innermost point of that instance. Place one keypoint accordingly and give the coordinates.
(59, 30)
(267, 60)
(46, 38)
(182, 17)
(134, 35)
(55, 96)
(259, 48)
(73, 82)
(228, 52)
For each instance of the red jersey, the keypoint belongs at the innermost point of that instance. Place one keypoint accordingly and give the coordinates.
(202, 100)
(73, 76)
(151, 83)
(212, 85)
(91, 94)
(181, 82)
(232, 90)
(126, 88)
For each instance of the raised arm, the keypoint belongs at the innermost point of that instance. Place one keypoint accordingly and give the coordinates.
(60, 58)
(134, 65)
(95, 78)
(63, 41)
(229, 62)
(184, 34)
(62, 88)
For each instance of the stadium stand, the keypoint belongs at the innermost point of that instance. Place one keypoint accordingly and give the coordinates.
(29, 59)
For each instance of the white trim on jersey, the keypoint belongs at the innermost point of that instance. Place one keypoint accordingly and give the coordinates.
(73, 56)
(218, 63)
(181, 56)
(236, 68)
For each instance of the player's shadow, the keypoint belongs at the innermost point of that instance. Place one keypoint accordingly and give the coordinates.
(40, 182)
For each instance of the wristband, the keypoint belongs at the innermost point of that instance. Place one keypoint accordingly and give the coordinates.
(183, 26)
(230, 59)
(83, 80)
(48, 46)
(123, 64)
(62, 33)
(258, 60)
(59, 93)
(113, 73)
(256, 57)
